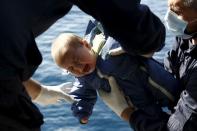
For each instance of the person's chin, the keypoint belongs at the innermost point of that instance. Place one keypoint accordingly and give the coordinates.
(91, 70)
(79, 74)
(85, 73)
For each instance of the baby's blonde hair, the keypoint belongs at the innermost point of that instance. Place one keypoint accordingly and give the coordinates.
(62, 44)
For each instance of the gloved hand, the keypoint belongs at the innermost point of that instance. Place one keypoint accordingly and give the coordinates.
(51, 94)
(116, 100)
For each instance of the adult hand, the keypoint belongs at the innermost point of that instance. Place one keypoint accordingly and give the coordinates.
(51, 94)
(116, 101)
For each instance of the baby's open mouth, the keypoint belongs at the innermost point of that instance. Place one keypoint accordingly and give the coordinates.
(86, 68)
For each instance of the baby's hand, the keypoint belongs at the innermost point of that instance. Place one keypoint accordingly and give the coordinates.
(82, 111)
(84, 120)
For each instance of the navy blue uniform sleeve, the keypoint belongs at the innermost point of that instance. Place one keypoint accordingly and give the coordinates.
(22, 22)
(86, 97)
(134, 25)
(19, 53)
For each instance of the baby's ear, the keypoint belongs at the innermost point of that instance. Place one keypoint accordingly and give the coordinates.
(86, 44)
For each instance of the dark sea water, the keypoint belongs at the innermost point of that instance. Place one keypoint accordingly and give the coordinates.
(59, 117)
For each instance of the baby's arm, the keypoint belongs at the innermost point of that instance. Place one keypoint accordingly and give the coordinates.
(85, 97)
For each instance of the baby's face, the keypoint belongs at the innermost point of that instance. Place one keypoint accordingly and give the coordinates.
(80, 61)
